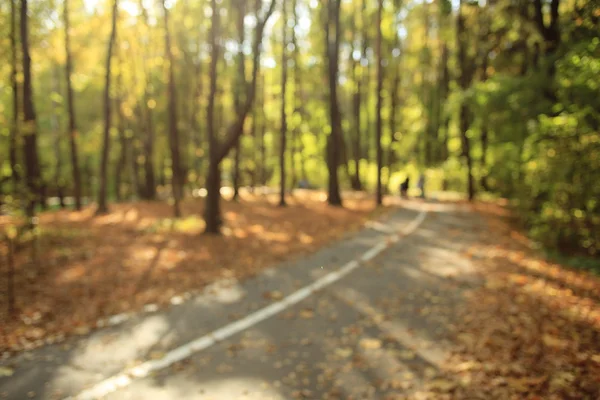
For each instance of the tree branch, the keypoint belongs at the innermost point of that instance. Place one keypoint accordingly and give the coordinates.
(235, 130)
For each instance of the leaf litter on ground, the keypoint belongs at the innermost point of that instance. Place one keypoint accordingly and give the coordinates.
(91, 268)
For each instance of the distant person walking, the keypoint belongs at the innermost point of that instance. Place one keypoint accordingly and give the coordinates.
(421, 185)
(404, 188)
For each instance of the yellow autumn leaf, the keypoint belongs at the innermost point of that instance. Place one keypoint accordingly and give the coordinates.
(553, 341)
(343, 352)
(370, 344)
(307, 313)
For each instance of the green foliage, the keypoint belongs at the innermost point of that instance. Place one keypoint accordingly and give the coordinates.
(546, 143)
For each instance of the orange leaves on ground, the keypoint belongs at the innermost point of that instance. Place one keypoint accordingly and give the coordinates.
(531, 331)
(93, 267)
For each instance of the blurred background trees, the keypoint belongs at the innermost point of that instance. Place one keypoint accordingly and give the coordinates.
(491, 98)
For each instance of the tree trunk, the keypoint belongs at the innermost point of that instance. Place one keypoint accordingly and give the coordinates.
(391, 158)
(176, 175)
(296, 145)
(122, 162)
(14, 128)
(260, 133)
(149, 173)
(235, 176)
(464, 81)
(484, 132)
(333, 142)
(444, 90)
(32, 165)
(379, 193)
(134, 171)
(196, 132)
(260, 142)
(241, 78)
(213, 180)
(102, 201)
(283, 133)
(263, 131)
(366, 75)
(356, 100)
(72, 132)
(427, 93)
(218, 151)
(55, 123)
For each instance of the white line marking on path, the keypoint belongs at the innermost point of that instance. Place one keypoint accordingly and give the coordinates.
(182, 352)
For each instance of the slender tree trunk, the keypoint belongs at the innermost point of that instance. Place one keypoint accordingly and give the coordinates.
(427, 93)
(333, 142)
(32, 165)
(238, 100)
(55, 122)
(134, 168)
(88, 176)
(366, 75)
(283, 133)
(444, 90)
(464, 81)
(391, 158)
(237, 150)
(176, 175)
(122, 162)
(72, 132)
(356, 103)
(263, 144)
(14, 128)
(379, 193)
(212, 210)
(262, 148)
(484, 133)
(149, 173)
(102, 201)
(296, 146)
(196, 131)
(259, 112)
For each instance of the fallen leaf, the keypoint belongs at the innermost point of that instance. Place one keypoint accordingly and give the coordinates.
(552, 341)
(370, 344)
(6, 371)
(273, 295)
(465, 366)
(343, 352)
(307, 313)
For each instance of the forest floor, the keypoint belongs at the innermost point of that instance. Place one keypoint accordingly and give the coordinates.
(89, 268)
(461, 307)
